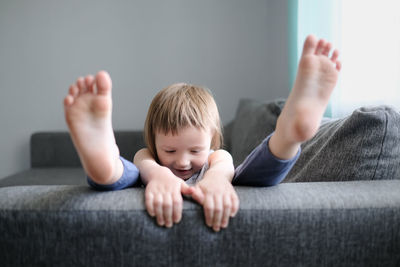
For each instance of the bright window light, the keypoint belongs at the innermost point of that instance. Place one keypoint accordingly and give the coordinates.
(370, 53)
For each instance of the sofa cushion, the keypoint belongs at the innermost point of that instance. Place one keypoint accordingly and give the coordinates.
(361, 146)
(46, 176)
(254, 120)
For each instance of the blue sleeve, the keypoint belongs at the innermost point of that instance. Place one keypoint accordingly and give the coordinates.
(262, 168)
(130, 177)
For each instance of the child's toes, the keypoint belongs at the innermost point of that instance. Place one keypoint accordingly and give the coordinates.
(320, 47)
(73, 90)
(309, 45)
(338, 65)
(68, 100)
(103, 83)
(327, 49)
(335, 56)
(80, 83)
(89, 81)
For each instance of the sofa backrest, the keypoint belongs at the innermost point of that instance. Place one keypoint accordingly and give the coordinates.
(55, 149)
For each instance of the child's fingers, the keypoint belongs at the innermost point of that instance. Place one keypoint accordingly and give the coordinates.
(158, 208)
(198, 195)
(227, 211)
(218, 212)
(177, 208)
(235, 204)
(186, 189)
(149, 198)
(209, 209)
(167, 210)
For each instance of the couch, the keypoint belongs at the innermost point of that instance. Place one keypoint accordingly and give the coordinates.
(339, 206)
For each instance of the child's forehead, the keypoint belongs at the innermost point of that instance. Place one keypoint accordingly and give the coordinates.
(193, 130)
(188, 135)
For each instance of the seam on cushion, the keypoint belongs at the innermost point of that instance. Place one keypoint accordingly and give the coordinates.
(383, 141)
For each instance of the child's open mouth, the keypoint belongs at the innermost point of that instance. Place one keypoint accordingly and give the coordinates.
(185, 174)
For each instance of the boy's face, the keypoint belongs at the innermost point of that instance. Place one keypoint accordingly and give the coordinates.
(184, 153)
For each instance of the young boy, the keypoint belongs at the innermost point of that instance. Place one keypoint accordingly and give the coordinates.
(183, 137)
(88, 115)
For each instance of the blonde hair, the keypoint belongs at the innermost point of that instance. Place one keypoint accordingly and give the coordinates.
(178, 106)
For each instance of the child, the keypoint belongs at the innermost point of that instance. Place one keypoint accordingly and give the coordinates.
(183, 138)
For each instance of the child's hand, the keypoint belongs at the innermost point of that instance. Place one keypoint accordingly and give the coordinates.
(163, 198)
(219, 201)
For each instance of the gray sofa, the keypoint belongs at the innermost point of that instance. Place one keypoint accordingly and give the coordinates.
(339, 206)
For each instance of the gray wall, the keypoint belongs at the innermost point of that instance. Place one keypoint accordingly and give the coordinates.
(237, 48)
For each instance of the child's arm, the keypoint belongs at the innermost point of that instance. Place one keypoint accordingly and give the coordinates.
(215, 191)
(163, 195)
(262, 168)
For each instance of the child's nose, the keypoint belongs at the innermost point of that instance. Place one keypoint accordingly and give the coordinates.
(182, 162)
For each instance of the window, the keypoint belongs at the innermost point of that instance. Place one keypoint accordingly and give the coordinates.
(367, 33)
(370, 46)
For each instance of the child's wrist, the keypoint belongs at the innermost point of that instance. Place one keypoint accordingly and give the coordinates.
(215, 175)
(159, 173)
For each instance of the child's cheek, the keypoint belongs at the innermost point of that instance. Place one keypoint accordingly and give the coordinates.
(201, 160)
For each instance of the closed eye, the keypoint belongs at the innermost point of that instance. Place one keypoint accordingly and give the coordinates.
(170, 151)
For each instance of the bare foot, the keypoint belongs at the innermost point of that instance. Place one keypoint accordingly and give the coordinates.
(88, 109)
(300, 118)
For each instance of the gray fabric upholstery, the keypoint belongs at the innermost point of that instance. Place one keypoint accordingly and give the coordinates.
(50, 217)
(254, 121)
(46, 176)
(362, 146)
(297, 224)
(56, 150)
(227, 133)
